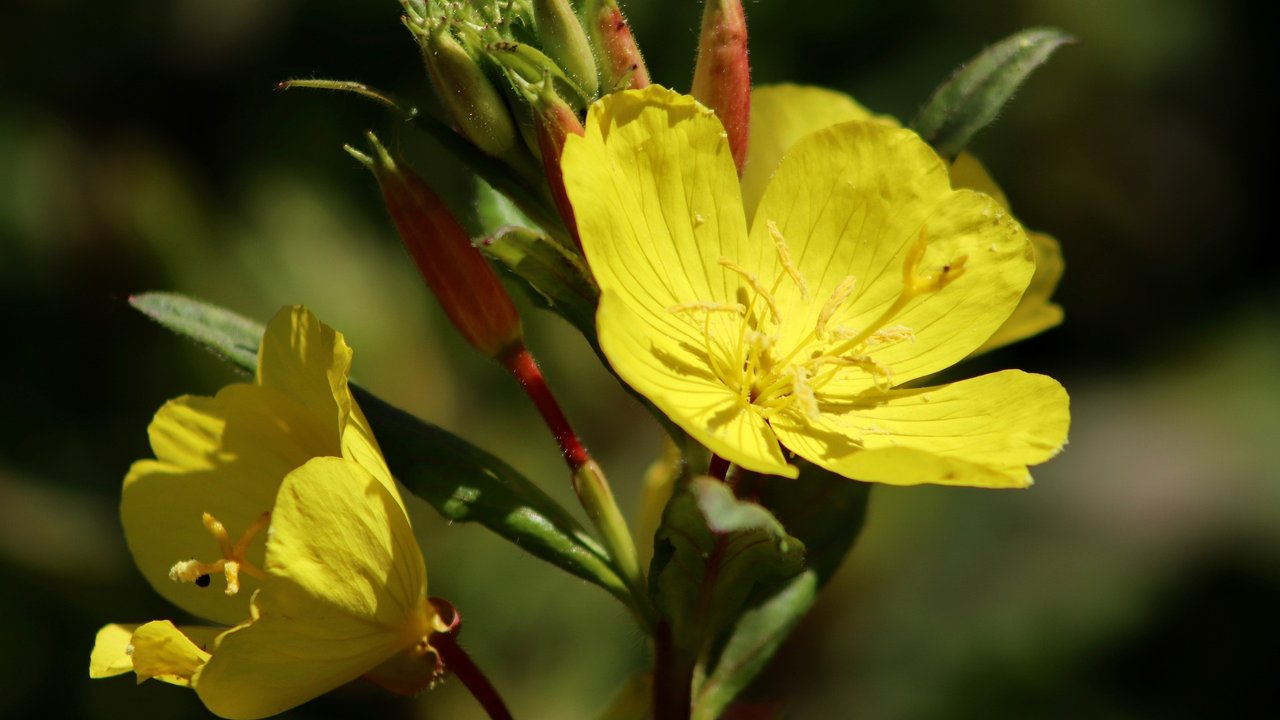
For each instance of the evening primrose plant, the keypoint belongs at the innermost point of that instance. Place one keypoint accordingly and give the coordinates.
(777, 274)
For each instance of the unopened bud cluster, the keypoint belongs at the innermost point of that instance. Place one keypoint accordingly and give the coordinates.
(514, 78)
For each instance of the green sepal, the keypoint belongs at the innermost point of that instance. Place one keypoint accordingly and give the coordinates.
(823, 510)
(556, 277)
(972, 97)
(462, 482)
(710, 553)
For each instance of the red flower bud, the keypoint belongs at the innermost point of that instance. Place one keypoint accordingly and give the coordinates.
(463, 282)
(722, 78)
(555, 121)
(615, 46)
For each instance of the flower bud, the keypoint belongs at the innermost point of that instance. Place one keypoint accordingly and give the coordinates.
(463, 282)
(621, 65)
(473, 102)
(722, 78)
(554, 120)
(564, 40)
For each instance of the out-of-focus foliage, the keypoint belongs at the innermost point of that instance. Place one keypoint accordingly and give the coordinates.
(144, 148)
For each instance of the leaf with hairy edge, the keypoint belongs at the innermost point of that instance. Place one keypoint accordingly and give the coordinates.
(825, 512)
(710, 553)
(230, 336)
(972, 97)
(462, 482)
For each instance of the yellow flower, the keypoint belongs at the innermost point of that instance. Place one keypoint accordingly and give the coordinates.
(862, 270)
(782, 114)
(270, 512)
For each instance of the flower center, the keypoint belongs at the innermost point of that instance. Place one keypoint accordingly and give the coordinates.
(769, 379)
(233, 560)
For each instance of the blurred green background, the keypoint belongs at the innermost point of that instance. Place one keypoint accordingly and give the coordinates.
(142, 146)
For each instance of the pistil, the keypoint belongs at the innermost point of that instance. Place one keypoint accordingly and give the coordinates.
(234, 556)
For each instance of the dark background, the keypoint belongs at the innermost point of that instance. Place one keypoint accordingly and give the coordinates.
(142, 146)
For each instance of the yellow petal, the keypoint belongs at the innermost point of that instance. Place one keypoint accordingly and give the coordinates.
(967, 173)
(226, 456)
(982, 432)
(674, 375)
(781, 115)
(656, 198)
(165, 652)
(346, 591)
(111, 650)
(1034, 313)
(308, 361)
(851, 201)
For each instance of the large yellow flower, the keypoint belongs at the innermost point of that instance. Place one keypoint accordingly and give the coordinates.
(782, 114)
(270, 511)
(862, 271)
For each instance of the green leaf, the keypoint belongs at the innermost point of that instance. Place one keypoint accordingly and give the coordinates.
(710, 553)
(462, 482)
(466, 484)
(224, 333)
(524, 185)
(973, 96)
(824, 511)
(554, 275)
(757, 636)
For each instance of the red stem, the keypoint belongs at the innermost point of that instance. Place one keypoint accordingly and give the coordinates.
(521, 364)
(452, 658)
(460, 664)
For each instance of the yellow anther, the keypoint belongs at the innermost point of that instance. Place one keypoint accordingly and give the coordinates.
(893, 333)
(842, 293)
(784, 257)
(232, 560)
(802, 393)
(691, 308)
(754, 282)
(880, 374)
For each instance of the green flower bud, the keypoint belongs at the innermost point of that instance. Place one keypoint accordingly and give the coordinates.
(474, 104)
(565, 41)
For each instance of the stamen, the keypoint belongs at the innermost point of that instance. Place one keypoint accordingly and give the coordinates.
(802, 392)
(843, 290)
(233, 558)
(891, 334)
(754, 282)
(784, 257)
(691, 308)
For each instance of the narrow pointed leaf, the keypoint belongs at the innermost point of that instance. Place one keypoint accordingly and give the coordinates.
(462, 482)
(711, 552)
(222, 332)
(825, 512)
(973, 96)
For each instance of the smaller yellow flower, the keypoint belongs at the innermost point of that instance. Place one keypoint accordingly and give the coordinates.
(270, 511)
(798, 324)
